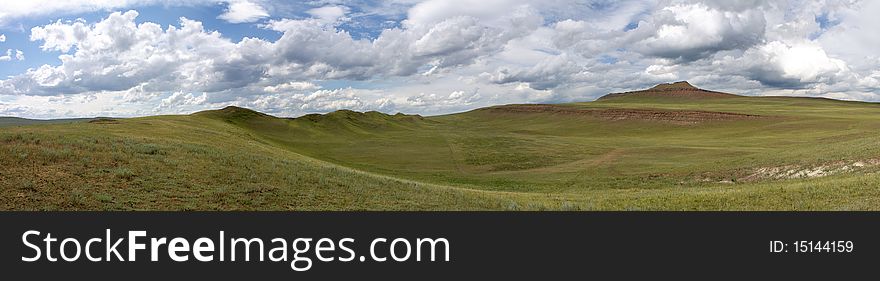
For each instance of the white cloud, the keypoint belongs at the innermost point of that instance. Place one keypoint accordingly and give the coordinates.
(309, 48)
(695, 31)
(329, 14)
(430, 12)
(16, 10)
(118, 54)
(854, 38)
(456, 98)
(292, 86)
(780, 64)
(12, 55)
(547, 73)
(456, 41)
(181, 102)
(61, 36)
(243, 11)
(317, 101)
(8, 56)
(662, 72)
(88, 105)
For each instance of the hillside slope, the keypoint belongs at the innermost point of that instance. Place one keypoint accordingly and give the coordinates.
(629, 152)
(192, 163)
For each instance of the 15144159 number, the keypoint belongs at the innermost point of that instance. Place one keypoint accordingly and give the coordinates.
(809, 246)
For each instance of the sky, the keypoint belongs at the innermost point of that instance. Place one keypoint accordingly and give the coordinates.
(78, 58)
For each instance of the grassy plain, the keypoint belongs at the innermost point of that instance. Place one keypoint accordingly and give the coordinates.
(792, 154)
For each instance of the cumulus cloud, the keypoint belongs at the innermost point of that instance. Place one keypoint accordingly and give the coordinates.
(292, 86)
(495, 13)
(456, 98)
(117, 53)
(329, 14)
(794, 65)
(316, 101)
(180, 102)
(60, 36)
(546, 74)
(662, 72)
(852, 38)
(243, 11)
(331, 53)
(456, 41)
(694, 31)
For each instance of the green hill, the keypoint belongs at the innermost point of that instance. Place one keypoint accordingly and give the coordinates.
(672, 147)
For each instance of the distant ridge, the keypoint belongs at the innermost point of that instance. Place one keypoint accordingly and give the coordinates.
(681, 89)
(354, 115)
(235, 114)
(16, 121)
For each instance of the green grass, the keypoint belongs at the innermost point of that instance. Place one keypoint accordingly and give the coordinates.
(488, 159)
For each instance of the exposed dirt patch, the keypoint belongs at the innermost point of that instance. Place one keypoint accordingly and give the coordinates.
(785, 172)
(682, 117)
(617, 114)
(798, 172)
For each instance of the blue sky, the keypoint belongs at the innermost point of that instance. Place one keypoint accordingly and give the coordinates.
(144, 57)
(18, 32)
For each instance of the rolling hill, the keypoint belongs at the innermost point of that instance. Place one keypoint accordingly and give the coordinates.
(671, 147)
